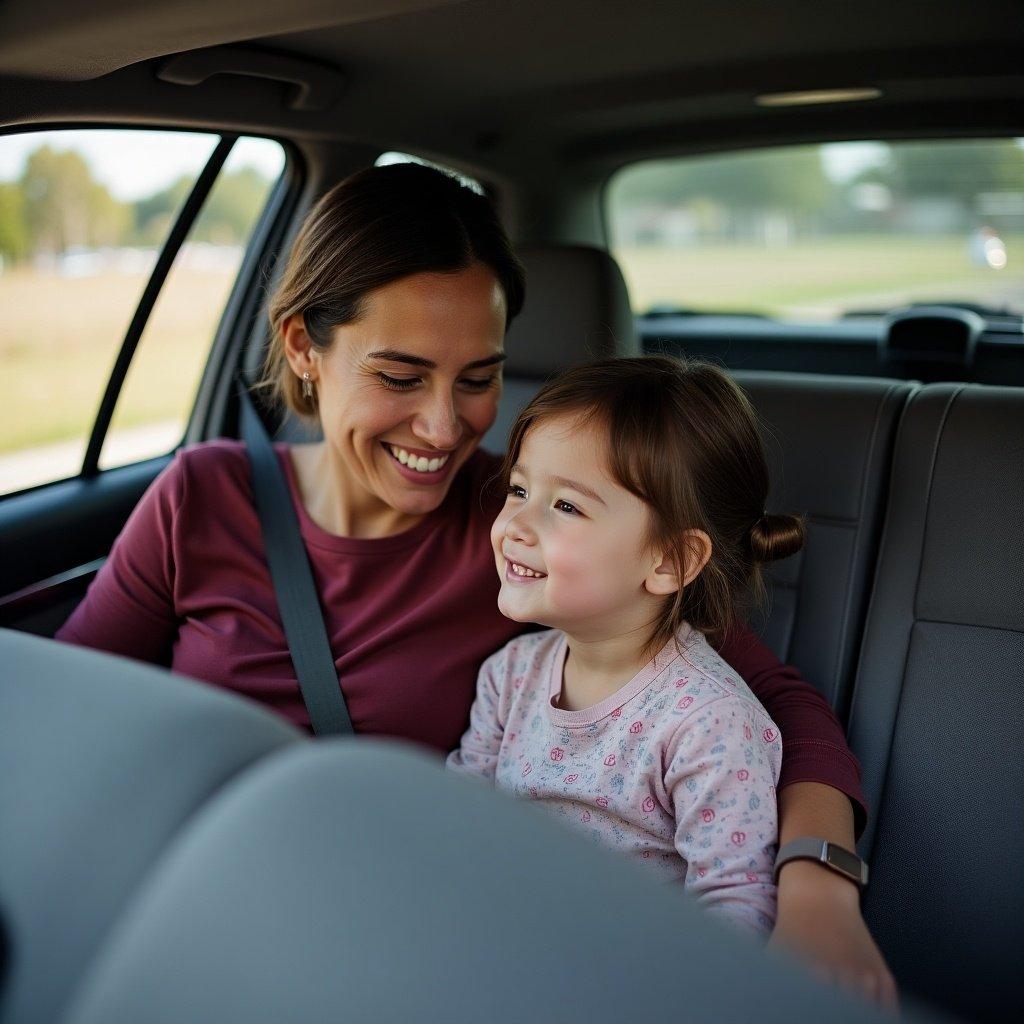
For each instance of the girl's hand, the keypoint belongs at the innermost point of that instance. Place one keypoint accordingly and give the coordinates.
(819, 920)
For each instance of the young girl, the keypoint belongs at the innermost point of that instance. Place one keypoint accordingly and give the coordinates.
(634, 525)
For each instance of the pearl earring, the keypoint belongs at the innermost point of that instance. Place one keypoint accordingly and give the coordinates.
(307, 385)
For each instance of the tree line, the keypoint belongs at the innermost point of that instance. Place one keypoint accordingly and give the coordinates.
(795, 180)
(56, 206)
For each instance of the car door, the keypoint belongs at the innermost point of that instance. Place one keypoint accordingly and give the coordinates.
(131, 271)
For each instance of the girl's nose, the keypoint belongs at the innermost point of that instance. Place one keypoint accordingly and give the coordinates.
(520, 529)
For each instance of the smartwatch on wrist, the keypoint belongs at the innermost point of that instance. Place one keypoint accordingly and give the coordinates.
(831, 856)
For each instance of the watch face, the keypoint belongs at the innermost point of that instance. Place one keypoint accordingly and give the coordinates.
(845, 861)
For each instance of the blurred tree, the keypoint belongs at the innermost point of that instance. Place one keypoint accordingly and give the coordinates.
(14, 238)
(64, 207)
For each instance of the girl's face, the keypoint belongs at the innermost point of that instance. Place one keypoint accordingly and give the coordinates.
(406, 392)
(570, 543)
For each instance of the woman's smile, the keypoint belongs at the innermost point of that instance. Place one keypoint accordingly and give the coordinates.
(417, 465)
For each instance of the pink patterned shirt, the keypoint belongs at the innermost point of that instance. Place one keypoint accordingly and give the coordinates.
(676, 769)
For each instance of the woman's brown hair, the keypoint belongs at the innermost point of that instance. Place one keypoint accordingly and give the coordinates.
(684, 439)
(375, 227)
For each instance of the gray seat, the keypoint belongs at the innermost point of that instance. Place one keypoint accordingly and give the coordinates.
(829, 444)
(936, 711)
(358, 881)
(577, 309)
(102, 760)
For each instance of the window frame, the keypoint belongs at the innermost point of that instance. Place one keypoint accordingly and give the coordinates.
(270, 225)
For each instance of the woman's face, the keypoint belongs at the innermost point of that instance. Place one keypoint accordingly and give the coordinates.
(406, 392)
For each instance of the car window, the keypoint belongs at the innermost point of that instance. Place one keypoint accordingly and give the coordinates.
(821, 232)
(84, 216)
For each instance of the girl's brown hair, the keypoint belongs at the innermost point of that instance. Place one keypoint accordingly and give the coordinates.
(375, 227)
(684, 439)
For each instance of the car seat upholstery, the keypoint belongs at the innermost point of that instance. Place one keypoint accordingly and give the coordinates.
(576, 309)
(359, 881)
(101, 761)
(938, 703)
(829, 445)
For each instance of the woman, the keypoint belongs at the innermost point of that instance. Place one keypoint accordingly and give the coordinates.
(388, 328)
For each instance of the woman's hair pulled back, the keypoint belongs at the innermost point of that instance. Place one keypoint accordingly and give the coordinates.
(375, 227)
(683, 438)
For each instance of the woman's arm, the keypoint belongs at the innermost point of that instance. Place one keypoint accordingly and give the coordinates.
(129, 607)
(819, 794)
(819, 911)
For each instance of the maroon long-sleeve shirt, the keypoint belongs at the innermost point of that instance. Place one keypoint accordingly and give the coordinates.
(410, 617)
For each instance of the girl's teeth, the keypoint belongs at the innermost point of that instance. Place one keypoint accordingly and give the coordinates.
(418, 462)
(521, 570)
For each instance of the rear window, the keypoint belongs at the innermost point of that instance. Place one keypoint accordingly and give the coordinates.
(822, 232)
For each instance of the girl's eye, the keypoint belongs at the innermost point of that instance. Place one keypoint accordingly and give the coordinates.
(398, 383)
(564, 506)
(476, 384)
(516, 491)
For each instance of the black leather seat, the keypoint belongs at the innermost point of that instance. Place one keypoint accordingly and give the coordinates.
(937, 708)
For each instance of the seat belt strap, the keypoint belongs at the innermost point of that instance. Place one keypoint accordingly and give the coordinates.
(292, 577)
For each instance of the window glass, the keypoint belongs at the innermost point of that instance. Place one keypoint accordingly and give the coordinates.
(819, 232)
(83, 216)
(159, 391)
(407, 158)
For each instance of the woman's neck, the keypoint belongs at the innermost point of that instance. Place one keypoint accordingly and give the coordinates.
(336, 503)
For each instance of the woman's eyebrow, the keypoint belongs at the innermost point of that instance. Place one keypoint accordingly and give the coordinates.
(394, 356)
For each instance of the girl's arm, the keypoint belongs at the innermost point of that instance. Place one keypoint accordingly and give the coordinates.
(815, 749)
(478, 750)
(721, 783)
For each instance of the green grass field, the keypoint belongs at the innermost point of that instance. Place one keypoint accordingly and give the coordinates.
(817, 279)
(59, 337)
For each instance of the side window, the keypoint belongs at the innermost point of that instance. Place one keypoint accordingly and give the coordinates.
(84, 218)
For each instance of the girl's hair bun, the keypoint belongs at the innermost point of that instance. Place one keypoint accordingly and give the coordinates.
(773, 537)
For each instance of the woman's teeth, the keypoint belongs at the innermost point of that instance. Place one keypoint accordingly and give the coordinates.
(521, 570)
(418, 462)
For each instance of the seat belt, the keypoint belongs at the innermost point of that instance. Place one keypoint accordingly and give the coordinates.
(292, 577)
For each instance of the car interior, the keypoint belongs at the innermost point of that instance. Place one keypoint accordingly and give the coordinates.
(142, 837)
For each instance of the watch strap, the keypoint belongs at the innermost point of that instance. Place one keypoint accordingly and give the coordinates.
(831, 855)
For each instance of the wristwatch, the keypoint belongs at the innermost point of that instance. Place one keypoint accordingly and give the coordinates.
(834, 857)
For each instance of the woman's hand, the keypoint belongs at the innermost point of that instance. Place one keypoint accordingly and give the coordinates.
(819, 920)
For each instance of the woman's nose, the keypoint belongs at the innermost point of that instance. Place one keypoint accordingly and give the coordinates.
(438, 423)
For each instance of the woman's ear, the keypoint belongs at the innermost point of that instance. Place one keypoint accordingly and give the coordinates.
(298, 349)
(664, 577)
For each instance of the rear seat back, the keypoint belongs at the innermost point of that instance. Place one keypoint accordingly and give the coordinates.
(576, 309)
(936, 711)
(829, 445)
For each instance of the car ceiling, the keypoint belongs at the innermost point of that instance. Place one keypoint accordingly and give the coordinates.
(541, 84)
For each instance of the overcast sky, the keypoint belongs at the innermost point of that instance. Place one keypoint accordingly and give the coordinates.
(134, 164)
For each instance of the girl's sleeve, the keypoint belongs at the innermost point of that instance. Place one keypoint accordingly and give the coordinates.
(816, 748)
(721, 782)
(129, 608)
(478, 750)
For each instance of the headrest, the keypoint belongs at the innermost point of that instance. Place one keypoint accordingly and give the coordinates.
(577, 309)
